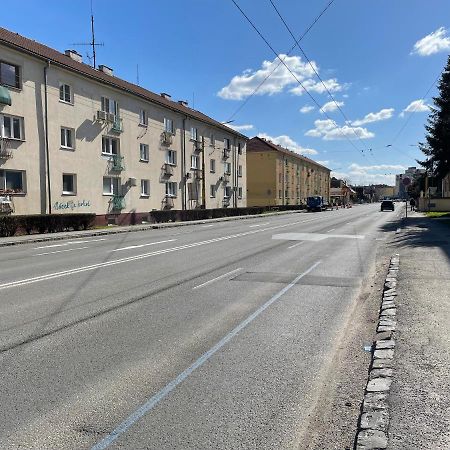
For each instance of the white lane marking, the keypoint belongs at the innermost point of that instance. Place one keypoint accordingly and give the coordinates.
(329, 231)
(59, 251)
(69, 243)
(168, 388)
(206, 226)
(142, 245)
(347, 223)
(297, 244)
(380, 239)
(258, 225)
(314, 236)
(217, 278)
(63, 273)
(398, 230)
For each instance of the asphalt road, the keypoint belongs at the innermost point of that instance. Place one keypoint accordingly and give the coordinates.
(208, 336)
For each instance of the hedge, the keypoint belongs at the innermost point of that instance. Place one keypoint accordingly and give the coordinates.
(45, 223)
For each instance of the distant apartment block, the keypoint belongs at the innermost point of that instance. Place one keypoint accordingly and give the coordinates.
(413, 174)
(278, 176)
(78, 139)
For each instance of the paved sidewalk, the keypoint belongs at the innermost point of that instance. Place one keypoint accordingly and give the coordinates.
(420, 393)
(15, 240)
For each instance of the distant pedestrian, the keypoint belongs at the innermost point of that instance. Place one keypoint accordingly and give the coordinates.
(412, 204)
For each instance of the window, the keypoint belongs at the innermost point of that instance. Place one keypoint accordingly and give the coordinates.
(168, 126)
(110, 146)
(111, 185)
(212, 190)
(212, 165)
(227, 168)
(65, 93)
(69, 184)
(239, 192)
(110, 106)
(171, 157)
(227, 192)
(143, 120)
(12, 181)
(9, 75)
(280, 177)
(11, 127)
(239, 148)
(194, 162)
(286, 194)
(143, 152)
(239, 171)
(171, 189)
(145, 188)
(66, 137)
(280, 194)
(212, 140)
(194, 134)
(226, 144)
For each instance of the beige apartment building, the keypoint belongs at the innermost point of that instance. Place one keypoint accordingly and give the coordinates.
(78, 139)
(278, 176)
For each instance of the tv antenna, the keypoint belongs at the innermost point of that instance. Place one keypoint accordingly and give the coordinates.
(93, 44)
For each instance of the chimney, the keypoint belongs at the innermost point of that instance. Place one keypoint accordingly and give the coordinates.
(183, 102)
(165, 95)
(73, 54)
(105, 69)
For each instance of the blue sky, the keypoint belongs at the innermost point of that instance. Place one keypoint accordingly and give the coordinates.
(376, 57)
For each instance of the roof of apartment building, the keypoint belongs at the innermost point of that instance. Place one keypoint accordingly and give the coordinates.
(33, 48)
(258, 144)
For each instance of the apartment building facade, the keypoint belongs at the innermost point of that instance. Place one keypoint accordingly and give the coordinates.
(278, 176)
(78, 139)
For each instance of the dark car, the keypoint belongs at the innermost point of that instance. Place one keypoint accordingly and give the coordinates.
(387, 205)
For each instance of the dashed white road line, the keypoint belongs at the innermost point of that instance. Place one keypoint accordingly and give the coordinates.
(296, 245)
(329, 231)
(259, 225)
(60, 251)
(206, 226)
(142, 245)
(69, 243)
(217, 278)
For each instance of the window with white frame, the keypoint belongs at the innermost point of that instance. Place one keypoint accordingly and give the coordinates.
(143, 119)
(239, 171)
(69, 184)
(110, 146)
(239, 192)
(195, 162)
(9, 75)
(226, 144)
(111, 186)
(12, 182)
(12, 127)
(194, 134)
(168, 125)
(212, 165)
(212, 140)
(67, 138)
(110, 106)
(143, 152)
(145, 188)
(212, 190)
(171, 188)
(171, 157)
(227, 192)
(65, 93)
(227, 168)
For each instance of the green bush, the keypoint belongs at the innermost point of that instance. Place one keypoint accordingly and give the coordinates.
(8, 225)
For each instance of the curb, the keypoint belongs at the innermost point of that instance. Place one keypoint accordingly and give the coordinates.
(373, 422)
(135, 228)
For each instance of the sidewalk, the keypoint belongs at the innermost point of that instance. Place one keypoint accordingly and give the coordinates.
(420, 392)
(26, 239)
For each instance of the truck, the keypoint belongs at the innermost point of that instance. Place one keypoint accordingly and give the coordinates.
(316, 203)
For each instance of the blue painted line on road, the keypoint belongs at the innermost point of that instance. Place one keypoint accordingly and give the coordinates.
(166, 390)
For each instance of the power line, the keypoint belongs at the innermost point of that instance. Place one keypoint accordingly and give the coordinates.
(279, 64)
(295, 77)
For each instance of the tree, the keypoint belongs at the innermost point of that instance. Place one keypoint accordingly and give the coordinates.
(437, 145)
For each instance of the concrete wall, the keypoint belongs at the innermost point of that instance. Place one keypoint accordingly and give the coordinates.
(434, 204)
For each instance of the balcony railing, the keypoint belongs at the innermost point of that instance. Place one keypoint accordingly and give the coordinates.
(226, 202)
(226, 178)
(117, 163)
(118, 202)
(168, 170)
(117, 125)
(5, 153)
(226, 153)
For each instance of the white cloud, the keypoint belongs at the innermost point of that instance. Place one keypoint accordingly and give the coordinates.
(243, 85)
(331, 106)
(435, 42)
(324, 163)
(416, 106)
(240, 127)
(357, 168)
(289, 143)
(327, 130)
(383, 114)
(306, 109)
(375, 174)
(316, 86)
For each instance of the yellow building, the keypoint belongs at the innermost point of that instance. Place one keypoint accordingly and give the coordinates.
(278, 176)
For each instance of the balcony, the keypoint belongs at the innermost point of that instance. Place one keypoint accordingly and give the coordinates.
(118, 202)
(117, 163)
(226, 178)
(168, 202)
(117, 125)
(226, 153)
(198, 146)
(5, 153)
(168, 170)
(166, 138)
(226, 202)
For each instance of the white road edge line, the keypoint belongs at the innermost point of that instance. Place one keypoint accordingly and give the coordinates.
(69, 243)
(60, 251)
(142, 245)
(217, 278)
(296, 245)
(153, 401)
(259, 225)
(329, 231)
(206, 226)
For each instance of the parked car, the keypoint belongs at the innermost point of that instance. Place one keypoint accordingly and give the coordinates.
(387, 205)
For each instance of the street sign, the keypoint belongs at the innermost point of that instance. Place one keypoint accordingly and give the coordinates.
(406, 181)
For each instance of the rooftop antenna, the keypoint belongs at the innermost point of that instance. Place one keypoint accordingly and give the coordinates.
(92, 43)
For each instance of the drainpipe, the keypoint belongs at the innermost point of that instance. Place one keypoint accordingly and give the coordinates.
(234, 164)
(183, 168)
(47, 155)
